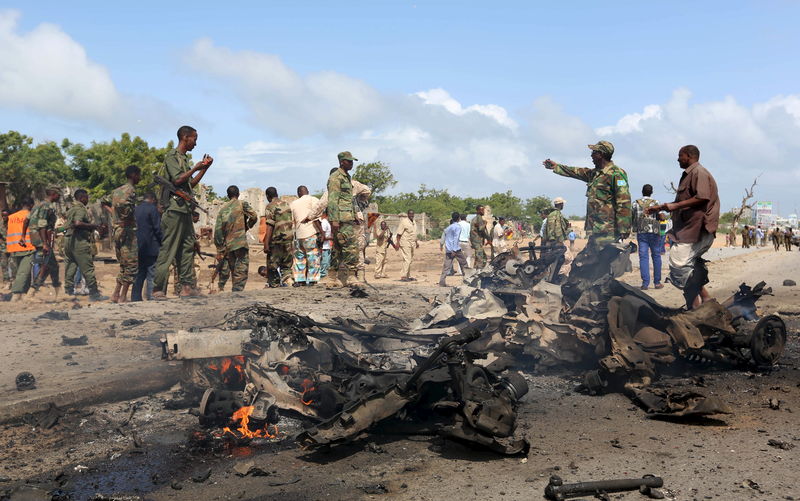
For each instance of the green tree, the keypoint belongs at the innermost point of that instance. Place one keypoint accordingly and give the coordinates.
(100, 168)
(30, 169)
(534, 207)
(506, 205)
(377, 175)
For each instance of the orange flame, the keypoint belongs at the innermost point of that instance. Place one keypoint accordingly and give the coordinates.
(308, 386)
(242, 416)
(231, 369)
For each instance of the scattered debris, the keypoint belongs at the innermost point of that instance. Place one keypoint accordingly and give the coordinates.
(789, 283)
(557, 490)
(279, 483)
(374, 489)
(245, 468)
(358, 292)
(74, 341)
(780, 444)
(129, 322)
(53, 315)
(774, 404)
(25, 381)
(201, 476)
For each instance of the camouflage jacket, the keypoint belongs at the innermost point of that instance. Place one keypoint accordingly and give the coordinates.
(556, 227)
(279, 216)
(42, 217)
(233, 221)
(341, 203)
(3, 234)
(477, 231)
(123, 205)
(175, 164)
(608, 199)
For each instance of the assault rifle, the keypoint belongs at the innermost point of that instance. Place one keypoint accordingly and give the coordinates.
(168, 189)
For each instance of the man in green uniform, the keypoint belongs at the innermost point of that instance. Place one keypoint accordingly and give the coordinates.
(342, 216)
(478, 237)
(78, 247)
(123, 233)
(176, 223)
(230, 237)
(278, 240)
(556, 225)
(42, 225)
(608, 199)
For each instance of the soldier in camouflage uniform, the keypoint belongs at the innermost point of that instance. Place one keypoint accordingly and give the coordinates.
(123, 233)
(556, 225)
(278, 240)
(361, 194)
(42, 226)
(342, 211)
(230, 238)
(78, 247)
(608, 198)
(478, 236)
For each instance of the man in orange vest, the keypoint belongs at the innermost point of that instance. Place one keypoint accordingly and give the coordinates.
(19, 246)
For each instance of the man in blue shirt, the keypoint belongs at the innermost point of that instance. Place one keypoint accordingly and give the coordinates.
(452, 249)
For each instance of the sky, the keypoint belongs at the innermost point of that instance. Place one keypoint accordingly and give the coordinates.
(467, 96)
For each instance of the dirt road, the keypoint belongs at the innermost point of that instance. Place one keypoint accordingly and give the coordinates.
(138, 447)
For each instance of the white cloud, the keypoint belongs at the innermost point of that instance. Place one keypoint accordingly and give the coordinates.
(46, 71)
(284, 101)
(440, 97)
(632, 122)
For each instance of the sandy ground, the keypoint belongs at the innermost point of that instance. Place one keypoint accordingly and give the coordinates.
(100, 449)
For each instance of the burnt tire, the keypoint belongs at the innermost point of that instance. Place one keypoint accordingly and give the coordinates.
(768, 340)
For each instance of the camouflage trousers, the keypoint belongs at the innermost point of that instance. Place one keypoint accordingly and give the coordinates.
(361, 239)
(479, 255)
(306, 260)
(48, 267)
(236, 266)
(127, 252)
(4, 264)
(279, 264)
(224, 274)
(345, 248)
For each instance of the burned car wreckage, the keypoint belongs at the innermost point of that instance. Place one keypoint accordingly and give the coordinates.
(452, 371)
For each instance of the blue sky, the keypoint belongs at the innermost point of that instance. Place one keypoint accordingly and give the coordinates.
(470, 96)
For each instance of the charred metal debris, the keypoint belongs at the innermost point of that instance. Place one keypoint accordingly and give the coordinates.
(448, 372)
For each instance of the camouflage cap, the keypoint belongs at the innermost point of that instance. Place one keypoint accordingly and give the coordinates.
(559, 200)
(53, 189)
(603, 147)
(346, 155)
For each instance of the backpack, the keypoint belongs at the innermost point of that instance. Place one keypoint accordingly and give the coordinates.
(646, 223)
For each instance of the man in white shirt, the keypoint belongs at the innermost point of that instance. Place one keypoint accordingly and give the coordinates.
(463, 239)
(306, 255)
(499, 236)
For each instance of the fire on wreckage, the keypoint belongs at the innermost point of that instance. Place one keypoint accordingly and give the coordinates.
(448, 371)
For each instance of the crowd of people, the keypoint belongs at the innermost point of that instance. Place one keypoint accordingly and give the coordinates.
(314, 239)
